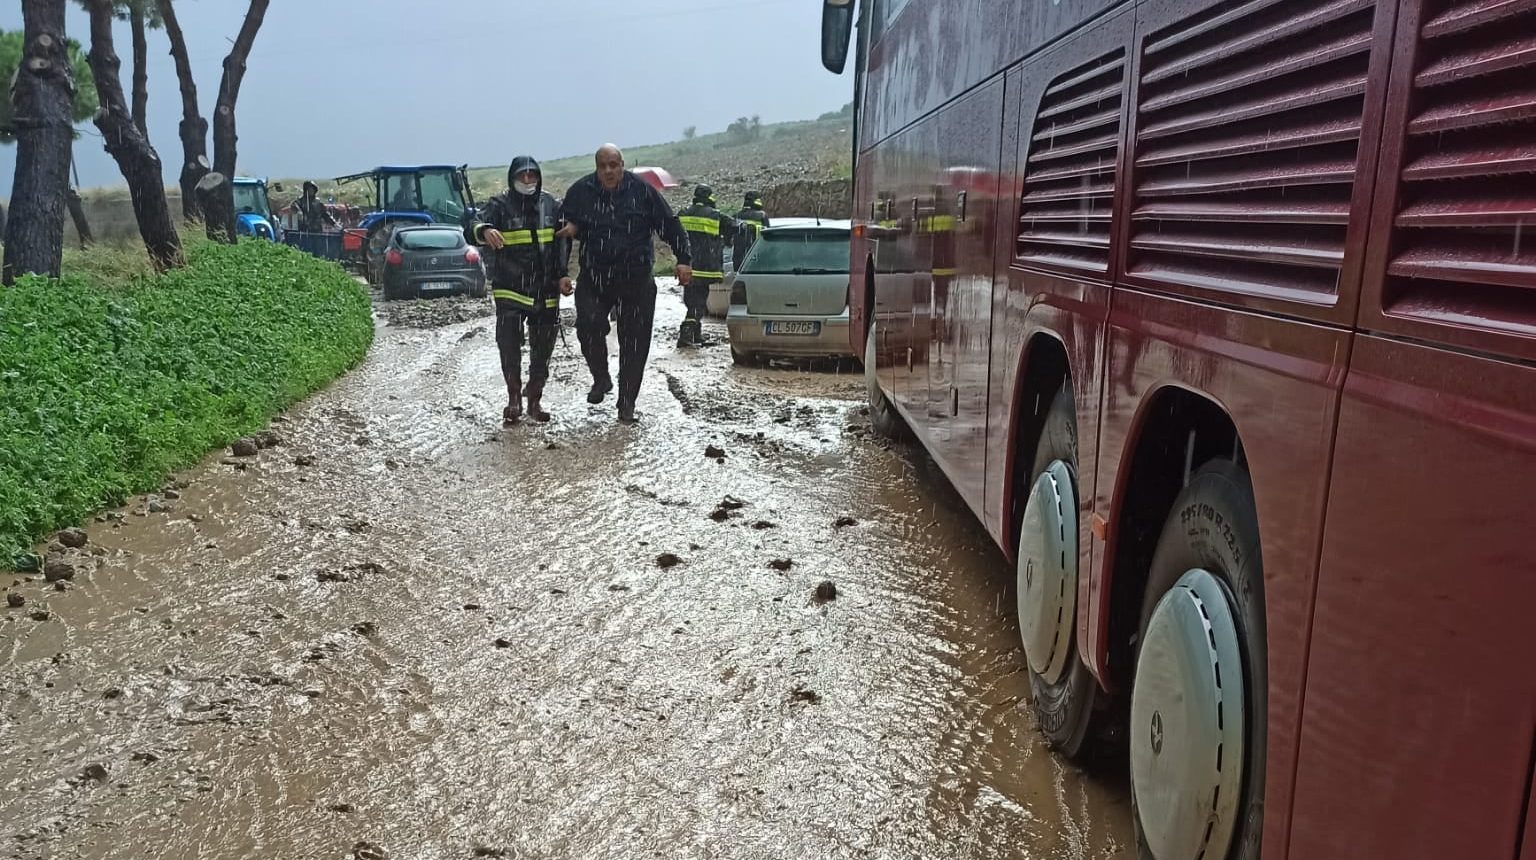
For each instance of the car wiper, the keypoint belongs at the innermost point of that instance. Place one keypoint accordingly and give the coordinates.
(815, 271)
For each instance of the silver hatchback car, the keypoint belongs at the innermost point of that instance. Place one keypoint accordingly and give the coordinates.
(789, 299)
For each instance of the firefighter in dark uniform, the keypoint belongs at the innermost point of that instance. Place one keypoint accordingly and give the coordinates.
(750, 221)
(708, 231)
(614, 213)
(311, 211)
(530, 270)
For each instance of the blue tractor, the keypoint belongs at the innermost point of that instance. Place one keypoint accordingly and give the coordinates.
(253, 209)
(407, 196)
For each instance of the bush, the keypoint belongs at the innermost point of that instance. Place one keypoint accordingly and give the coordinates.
(105, 388)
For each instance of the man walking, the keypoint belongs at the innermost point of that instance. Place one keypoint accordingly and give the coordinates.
(614, 213)
(750, 221)
(708, 230)
(530, 270)
(311, 211)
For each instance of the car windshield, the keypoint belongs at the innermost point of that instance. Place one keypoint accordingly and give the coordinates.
(250, 199)
(799, 252)
(431, 240)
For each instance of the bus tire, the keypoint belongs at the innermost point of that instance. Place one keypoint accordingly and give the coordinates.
(1065, 707)
(883, 416)
(1208, 571)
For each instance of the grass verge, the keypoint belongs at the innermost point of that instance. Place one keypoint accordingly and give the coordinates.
(111, 380)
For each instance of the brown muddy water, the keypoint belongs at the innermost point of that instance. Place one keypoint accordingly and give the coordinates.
(446, 639)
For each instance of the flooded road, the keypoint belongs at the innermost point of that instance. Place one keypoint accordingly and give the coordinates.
(408, 627)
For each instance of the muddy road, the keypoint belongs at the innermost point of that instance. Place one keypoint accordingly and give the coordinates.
(408, 627)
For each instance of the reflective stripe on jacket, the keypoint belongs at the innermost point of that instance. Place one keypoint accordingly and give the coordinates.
(708, 230)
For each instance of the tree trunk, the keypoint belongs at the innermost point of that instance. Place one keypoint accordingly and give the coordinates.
(216, 197)
(140, 67)
(42, 94)
(134, 156)
(229, 91)
(194, 129)
(77, 214)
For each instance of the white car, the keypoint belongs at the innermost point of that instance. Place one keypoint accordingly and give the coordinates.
(790, 296)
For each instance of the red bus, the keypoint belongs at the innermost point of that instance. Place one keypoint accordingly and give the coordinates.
(1221, 316)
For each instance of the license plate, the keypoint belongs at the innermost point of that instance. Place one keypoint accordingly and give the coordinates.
(796, 327)
(436, 286)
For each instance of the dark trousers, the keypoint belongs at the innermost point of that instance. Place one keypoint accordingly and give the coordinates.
(696, 298)
(542, 324)
(633, 294)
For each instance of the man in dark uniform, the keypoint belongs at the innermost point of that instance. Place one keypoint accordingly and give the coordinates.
(614, 213)
(311, 211)
(708, 231)
(530, 270)
(750, 221)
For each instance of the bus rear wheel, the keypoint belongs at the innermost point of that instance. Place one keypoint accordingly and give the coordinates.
(1062, 690)
(1198, 722)
(883, 416)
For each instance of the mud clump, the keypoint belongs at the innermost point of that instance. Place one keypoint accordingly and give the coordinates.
(436, 313)
(803, 696)
(57, 570)
(350, 573)
(73, 538)
(246, 447)
(14, 600)
(368, 851)
(763, 525)
(267, 439)
(304, 460)
(366, 629)
(714, 452)
(781, 564)
(825, 592)
(94, 773)
(503, 642)
(728, 506)
(40, 615)
(343, 808)
(486, 851)
(845, 522)
(668, 560)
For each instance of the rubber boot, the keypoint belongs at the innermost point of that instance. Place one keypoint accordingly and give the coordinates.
(599, 390)
(535, 393)
(514, 411)
(688, 334)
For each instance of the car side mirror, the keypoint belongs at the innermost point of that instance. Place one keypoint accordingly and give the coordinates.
(836, 32)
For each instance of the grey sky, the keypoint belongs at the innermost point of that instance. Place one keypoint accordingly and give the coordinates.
(338, 86)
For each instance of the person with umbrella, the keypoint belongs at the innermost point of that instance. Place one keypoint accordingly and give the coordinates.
(614, 213)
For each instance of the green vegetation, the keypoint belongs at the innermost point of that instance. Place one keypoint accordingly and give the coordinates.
(111, 379)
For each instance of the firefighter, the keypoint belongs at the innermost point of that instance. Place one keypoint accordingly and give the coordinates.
(750, 221)
(311, 212)
(708, 231)
(614, 213)
(530, 270)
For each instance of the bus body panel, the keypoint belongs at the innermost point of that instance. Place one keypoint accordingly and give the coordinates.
(1279, 382)
(935, 51)
(1421, 692)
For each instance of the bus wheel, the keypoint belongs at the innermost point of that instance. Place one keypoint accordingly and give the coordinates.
(882, 414)
(1198, 719)
(1062, 689)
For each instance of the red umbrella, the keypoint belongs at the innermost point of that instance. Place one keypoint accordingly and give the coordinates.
(657, 177)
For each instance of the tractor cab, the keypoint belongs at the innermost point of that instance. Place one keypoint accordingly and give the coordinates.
(407, 196)
(253, 209)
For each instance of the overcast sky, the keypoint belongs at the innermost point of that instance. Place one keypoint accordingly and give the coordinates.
(338, 86)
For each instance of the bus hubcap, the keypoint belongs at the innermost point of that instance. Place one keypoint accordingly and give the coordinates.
(1047, 573)
(1187, 717)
